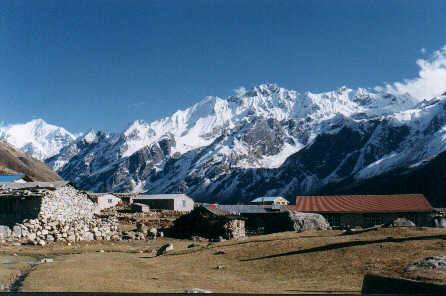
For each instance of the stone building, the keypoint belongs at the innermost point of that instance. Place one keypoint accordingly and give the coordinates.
(209, 222)
(174, 202)
(259, 219)
(20, 201)
(42, 212)
(367, 210)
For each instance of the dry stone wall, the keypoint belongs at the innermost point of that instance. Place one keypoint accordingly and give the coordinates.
(66, 215)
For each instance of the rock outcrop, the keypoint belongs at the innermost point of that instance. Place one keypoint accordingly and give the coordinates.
(308, 221)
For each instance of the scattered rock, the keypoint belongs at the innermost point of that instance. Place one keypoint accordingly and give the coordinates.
(153, 233)
(47, 260)
(219, 267)
(142, 228)
(220, 252)
(402, 222)
(164, 249)
(435, 262)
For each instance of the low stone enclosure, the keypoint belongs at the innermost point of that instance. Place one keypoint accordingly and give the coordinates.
(39, 213)
(217, 221)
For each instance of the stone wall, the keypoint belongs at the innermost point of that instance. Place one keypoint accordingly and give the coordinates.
(235, 229)
(65, 215)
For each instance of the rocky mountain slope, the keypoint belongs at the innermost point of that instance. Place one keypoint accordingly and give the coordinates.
(267, 140)
(15, 161)
(36, 138)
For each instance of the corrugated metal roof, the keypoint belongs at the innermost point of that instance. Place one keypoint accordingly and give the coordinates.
(246, 209)
(267, 198)
(160, 196)
(362, 203)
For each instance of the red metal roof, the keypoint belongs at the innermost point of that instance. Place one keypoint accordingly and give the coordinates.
(363, 203)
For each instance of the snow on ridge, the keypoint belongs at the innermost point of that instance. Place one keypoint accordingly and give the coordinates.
(37, 138)
(199, 125)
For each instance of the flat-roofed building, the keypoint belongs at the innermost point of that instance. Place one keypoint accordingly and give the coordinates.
(174, 202)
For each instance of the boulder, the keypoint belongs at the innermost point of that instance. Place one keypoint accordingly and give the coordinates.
(17, 231)
(402, 222)
(142, 228)
(436, 262)
(153, 232)
(47, 260)
(164, 249)
(5, 232)
(308, 221)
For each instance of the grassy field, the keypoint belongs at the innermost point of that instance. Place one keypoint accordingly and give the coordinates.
(322, 261)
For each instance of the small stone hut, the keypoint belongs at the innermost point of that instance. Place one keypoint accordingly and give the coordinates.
(261, 219)
(209, 222)
(20, 201)
(367, 210)
(42, 212)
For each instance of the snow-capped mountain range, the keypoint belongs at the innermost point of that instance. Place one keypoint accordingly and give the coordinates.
(266, 140)
(36, 138)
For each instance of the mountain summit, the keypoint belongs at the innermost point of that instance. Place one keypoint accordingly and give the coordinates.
(36, 138)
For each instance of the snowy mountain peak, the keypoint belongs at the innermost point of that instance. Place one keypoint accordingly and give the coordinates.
(202, 123)
(37, 138)
(90, 137)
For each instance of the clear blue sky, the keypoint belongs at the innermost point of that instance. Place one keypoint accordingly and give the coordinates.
(103, 64)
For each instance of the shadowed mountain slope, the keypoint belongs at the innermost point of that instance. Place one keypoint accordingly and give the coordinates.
(13, 160)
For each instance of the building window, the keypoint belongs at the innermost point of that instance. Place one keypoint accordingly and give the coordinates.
(184, 203)
(110, 201)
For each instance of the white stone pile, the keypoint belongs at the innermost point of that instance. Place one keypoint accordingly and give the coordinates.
(41, 231)
(308, 221)
(66, 215)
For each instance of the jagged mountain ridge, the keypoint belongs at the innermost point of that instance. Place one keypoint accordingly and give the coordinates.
(351, 153)
(267, 140)
(36, 138)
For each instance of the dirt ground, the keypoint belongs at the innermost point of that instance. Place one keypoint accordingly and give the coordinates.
(322, 261)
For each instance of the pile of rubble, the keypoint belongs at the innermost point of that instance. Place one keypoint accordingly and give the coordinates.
(66, 215)
(142, 232)
(43, 231)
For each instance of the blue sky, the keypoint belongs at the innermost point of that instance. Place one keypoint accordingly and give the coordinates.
(103, 64)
